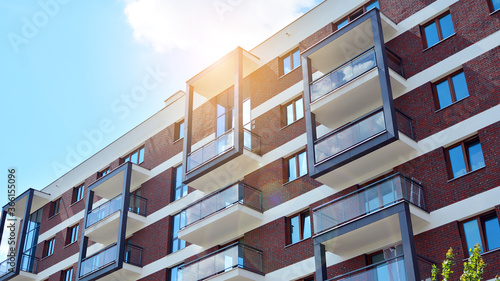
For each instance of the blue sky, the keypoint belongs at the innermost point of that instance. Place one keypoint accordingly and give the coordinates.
(67, 66)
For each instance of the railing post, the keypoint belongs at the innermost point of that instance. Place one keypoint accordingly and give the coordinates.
(409, 251)
(241, 193)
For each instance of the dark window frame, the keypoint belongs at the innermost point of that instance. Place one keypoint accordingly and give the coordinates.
(48, 247)
(78, 192)
(64, 274)
(103, 172)
(297, 166)
(301, 217)
(138, 151)
(182, 187)
(480, 219)
(464, 144)
(438, 29)
(353, 15)
(450, 86)
(288, 55)
(55, 207)
(179, 130)
(490, 6)
(181, 243)
(72, 237)
(284, 111)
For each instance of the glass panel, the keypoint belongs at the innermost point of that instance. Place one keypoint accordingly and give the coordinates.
(289, 114)
(342, 23)
(292, 169)
(475, 156)
(495, 4)
(444, 94)
(372, 5)
(492, 232)
(286, 65)
(299, 108)
(181, 130)
(302, 164)
(306, 224)
(460, 86)
(472, 235)
(431, 34)
(457, 161)
(134, 157)
(175, 274)
(294, 229)
(296, 59)
(141, 155)
(446, 26)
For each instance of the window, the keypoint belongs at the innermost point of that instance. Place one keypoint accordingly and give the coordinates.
(180, 189)
(49, 247)
(178, 221)
(67, 275)
(54, 208)
(297, 166)
(104, 172)
(450, 89)
(72, 234)
(293, 111)
(176, 273)
(465, 157)
(299, 227)
(494, 5)
(179, 130)
(290, 61)
(136, 156)
(77, 193)
(354, 15)
(438, 29)
(484, 230)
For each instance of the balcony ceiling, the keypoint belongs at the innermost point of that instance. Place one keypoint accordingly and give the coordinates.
(40, 199)
(127, 273)
(237, 274)
(114, 185)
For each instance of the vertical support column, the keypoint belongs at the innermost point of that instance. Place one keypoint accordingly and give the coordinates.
(238, 101)
(122, 228)
(409, 251)
(24, 227)
(241, 192)
(383, 74)
(310, 118)
(241, 255)
(320, 261)
(84, 241)
(188, 125)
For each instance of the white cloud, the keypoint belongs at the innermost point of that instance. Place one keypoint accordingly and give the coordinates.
(210, 29)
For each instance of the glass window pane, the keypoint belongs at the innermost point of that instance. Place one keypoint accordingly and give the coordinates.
(492, 230)
(444, 94)
(496, 4)
(286, 65)
(294, 229)
(299, 108)
(446, 26)
(342, 23)
(181, 130)
(472, 236)
(296, 59)
(457, 161)
(306, 232)
(431, 34)
(289, 114)
(292, 169)
(302, 164)
(372, 5)
(246, 112)
(475, 156)
(133, 157)
(141, 155)
(460, 86)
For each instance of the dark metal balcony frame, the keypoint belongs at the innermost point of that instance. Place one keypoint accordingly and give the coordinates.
(238, 148)
(122, 228)
(402, 210)
(29, 194)
(391, 133)
(108, 202)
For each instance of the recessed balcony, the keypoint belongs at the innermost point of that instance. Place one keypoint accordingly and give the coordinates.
(237, 262)
(107, 257)
(28, 269)
(353, 89)
(39, 200)
(228, 171)
(102, 222)
(363, 203)
(222, 216)
(111, 184)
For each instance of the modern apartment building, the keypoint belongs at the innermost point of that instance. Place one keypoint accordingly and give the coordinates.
(360, 141)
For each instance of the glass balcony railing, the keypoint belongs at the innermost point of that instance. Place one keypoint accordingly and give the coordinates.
(108, 256)
(219, 146)
(233, 256)
(351, 70)
(371, 198)
(138, 205)
(238, 193)
(391, 269)
(28, 264)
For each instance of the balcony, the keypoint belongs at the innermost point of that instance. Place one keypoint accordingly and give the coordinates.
(223, 215)
(112, 184)
(103, 221)
(364, 203)
(229, 171)
(28, 269)
(392, 269)
(131, 268)
(236, 262)
(353, 88)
